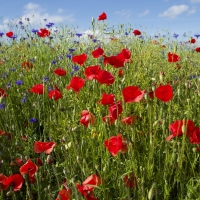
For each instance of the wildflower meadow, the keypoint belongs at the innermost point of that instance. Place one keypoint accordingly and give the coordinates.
(110, 115)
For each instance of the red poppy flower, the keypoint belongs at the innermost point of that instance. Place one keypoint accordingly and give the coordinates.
(114, 61)
(15, 180)
(2, 132)
(43, 33)
(86, 118)
(172, 57)
(136, 32)
(9, 34)
(76, 84)
(105, 77)
(17, 161)
(2, 177)
(198, 149)
(64, 194)
(60, 71)
(55, 94)
(197, 49)
(120, 72)
(102, 16)
(132, 94)
(88, 186)
(130, 181)
(2, 93)
(29, 168)
(98, 52)
(129, 120)
(107, 99)
(40, 147)
(151, 94)
(27, 65)
(177, 128)
(39, 162)
(115, 144)
(37, 89)
(192, 40)
(124, 55)
(91, 72)
(80, 59)
(164, 92)
(115, 109)
(109, 119)
(195, 136)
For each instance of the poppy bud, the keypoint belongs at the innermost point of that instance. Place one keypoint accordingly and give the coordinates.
(9, 193)
(49, 159)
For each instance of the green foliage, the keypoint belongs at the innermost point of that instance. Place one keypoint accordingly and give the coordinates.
(164, 170)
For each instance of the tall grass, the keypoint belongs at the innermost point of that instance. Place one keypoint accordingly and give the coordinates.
(163, 170)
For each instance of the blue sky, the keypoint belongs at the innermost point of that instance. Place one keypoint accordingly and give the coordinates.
(153, 17)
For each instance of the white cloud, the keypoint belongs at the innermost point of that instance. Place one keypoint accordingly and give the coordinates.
(195, 1)
(124, 13)
(60, 10)
(192, 11)
(37, 14)
(174, 11)
(146, 12)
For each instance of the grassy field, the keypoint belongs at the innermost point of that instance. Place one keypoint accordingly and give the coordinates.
(114, 115)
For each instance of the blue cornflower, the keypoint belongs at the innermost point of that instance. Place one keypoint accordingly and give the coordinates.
(53, 62)
(60, 57)
(45, 19)
(8, 85)
(33, 120)
(13, 37)
(156, 36)
(50, 37)
(35, 31)
(2, 106)
(94, 40)
(126, 33)
(32, 60)
(1, 34)
(4, 75)
(13, 69)
(45, 79)
(76, 42)
(23, 100)
(68, 56)
(19, 82)
(51, 23)
(71, 50)
(79, 34)
(49, 88)
(48, 25)
(175, 35)
(197, 35)
(20, 22)
(55, 31)
(75, 68)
